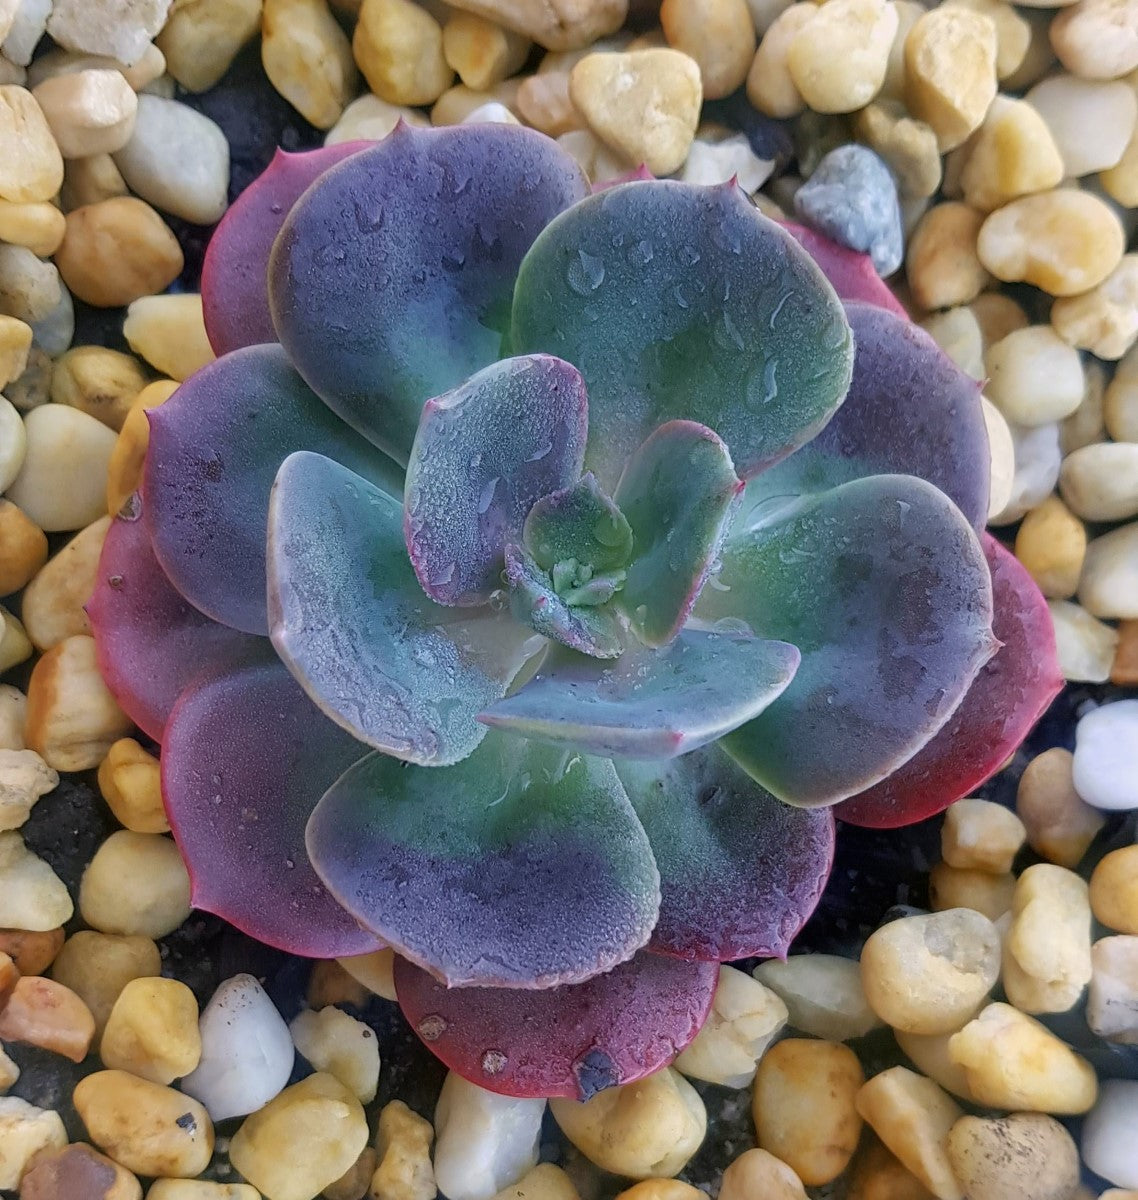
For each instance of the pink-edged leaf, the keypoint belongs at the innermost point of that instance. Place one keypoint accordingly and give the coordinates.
(678, 491)
(235, 288)
(909, 411)
(245, 759)
(569, 1041)
(399, 672)
(150, 640)
(852, 274)
(649, 703)
(215, 447)
(522, 866)
(740, 872)
(639, 174)
(882, 585)
(1006, 699)
(483, 455)
(578, 522)
(391, 279)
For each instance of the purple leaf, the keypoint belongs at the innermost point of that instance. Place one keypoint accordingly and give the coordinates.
(244, 761)
(150, 641)
(649, 703)
(391, 279)
(235, 288)
(215, 447)
(523, 866)
(909, 411)
(1009, 695)
(852, 274)
(678, 492)
(683, 302)
(483, 455)
(740, 872)
(396, 670)
(882, 585)
(569, 1041)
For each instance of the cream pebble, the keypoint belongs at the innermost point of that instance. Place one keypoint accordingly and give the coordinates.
(941, 262)
(1002, 455)
(32, 167)
(718, 34)
(909, 147)
(32, 896)
(480, 52)
(643, 1129)
(981, 835)
(169, 333)
(13, 713)
(1035, 377)
(557, 26)
(24, 778)
(54, 600)
(1090, 121)
(29, 288)
(97, 966)
(346, 1048)
(120, 29)
(1105, 319)
(1109, 584)
(753, 1173)
(201, 38)
(1100, 482)
(745, 1018)
(25, 1131)
(13, 442)
(308, 59)
(37, 227)
(1085, 644)
(838, 60)
(399, 49)
(23, 551)
(1120, 400)
(200, 1189)
(89, 180)
(1051, 544)
(957, 333)
(101, 382)
(1024, 1154)
(89, 112)
(403, 1144)
(929, 1053)
(135, 884)
(1112, 999)
(368, 118)
(1013, 154)
(803, 1106)
(823, 995)
(1060, 825)
(985, 893)
(770, 86)
(547, 1182)
(124, 472)
(15, 647)
(1097, 39)
(1014, 1062)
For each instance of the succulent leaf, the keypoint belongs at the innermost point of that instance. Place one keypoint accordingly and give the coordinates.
(679, 491)
(679, 301)
(569, 1041)
(740, 872)
(852, 274)
(882, 585)
(150, 641)
(483, 455)
(649, 703)
(590, 629)
(405, 257)
(348, 617)
(235, 289)
(579, 522)
(215, 447)
(909, 411)
(523, 866)
(1005, 700)
(245, 758)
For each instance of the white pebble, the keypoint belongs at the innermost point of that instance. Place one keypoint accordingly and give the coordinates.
(178, 160)
(1112, 999)
(13, 444)
(370, 119)
(247, 1051)
(823, 995)
(1091, 121)
(1100, 482)
(1106, 756)
(1037, 462)
(26, 31)
(711, 162)
(119, 29)
(491, 113)
(1110, 1133)
(1085, 645)
(485, 1142)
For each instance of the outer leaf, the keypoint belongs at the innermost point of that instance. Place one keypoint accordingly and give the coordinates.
(215, 447)
(678, 491)
(910, 410)
(882, 585)
(851, 273)
(591, 630)
(244, 760)
(483, 455)
(740, 872)
(678, 301)
(1009, 695)
(649, 703)
(569, 1041)
(150, 641)
(578, 522)
(391, 279)
(351, 622)
(521, 867)
(235, 295)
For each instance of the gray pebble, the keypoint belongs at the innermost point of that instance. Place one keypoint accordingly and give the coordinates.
(851, 197)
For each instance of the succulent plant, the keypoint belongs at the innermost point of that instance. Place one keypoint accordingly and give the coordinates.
(534, 576)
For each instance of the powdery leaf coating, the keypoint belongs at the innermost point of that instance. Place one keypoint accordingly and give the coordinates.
(348, 617)
(245, 758)
(851, 274)
(1005, 700)
(678, 491)
(910, 411)
(883, 587)
(740, 872)
(483, 455)
(677, 301)
(404, 257)
(569, 1041)
(578, 522)
(523, 866)
(215, 447)
(649, 703)
(235, 289)
(590, 629)
(150, 641)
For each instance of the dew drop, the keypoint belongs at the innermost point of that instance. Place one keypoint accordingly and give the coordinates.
(640, 253)
(586, 273)
(487, 497)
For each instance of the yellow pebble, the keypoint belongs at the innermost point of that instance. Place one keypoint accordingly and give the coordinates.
(662, 1189)
(1051, 544)
(100, 382)
(941, 263)
(951, 887)
(152, 1031)
(757, 1173)
(124, 471)
(39, 227)
(399, 48)
(1114, 890)
(930, 1055)
(403, 1143)
(130, 782)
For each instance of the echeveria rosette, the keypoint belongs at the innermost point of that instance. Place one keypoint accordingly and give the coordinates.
(565, 710)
